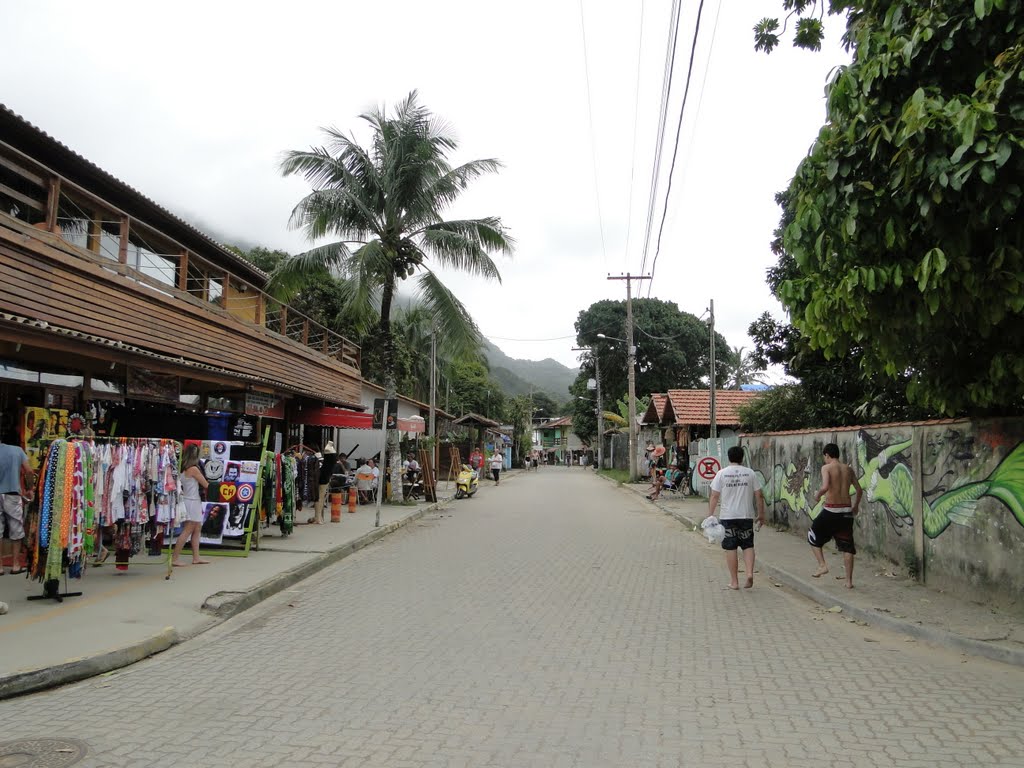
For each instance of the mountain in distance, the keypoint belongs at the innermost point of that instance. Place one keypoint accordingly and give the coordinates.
(520, 377)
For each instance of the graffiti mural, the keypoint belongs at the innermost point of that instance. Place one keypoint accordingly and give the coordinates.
(887, 480)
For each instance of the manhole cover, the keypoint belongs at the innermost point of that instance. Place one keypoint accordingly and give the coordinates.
(41, 753)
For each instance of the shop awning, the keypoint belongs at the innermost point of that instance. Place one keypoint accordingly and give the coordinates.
(326, 416)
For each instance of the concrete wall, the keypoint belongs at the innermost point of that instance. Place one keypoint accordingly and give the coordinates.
(944, 501)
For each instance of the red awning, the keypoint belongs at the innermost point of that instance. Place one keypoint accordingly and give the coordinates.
(327, 416)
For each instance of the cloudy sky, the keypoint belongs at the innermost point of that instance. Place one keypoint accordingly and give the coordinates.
(193, 102)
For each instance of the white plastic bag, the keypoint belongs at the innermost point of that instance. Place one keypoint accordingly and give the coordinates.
(714, 530)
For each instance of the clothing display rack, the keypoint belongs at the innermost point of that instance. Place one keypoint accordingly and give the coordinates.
(89, 484)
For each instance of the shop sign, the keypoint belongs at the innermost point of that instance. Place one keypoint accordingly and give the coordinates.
(144, 384)
(380, 406)
(243, 428)
(264, 404)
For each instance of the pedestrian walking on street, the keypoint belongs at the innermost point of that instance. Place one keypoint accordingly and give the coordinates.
(737, 488)
(497, 462)
(835, 521)
(191, 479)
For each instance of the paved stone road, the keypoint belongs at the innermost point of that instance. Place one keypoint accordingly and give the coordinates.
(554, 621)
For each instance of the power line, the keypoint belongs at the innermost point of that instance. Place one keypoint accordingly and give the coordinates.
(679, 127)
(696, 117)
(666, 92)
(636, 113)
(593, 142)
(553, 338)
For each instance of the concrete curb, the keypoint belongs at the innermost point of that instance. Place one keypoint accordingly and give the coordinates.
(877, 618)
(35, 680)
(73, 670)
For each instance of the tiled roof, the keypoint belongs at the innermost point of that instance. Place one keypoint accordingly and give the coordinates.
(693, 406)
(655, 412)
(565, 421)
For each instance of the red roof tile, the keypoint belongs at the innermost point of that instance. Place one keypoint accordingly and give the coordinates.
(655, 412)
(693, 406)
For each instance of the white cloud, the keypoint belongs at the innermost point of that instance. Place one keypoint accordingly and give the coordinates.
(193, 103)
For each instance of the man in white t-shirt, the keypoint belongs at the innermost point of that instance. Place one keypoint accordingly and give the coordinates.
(735, 488)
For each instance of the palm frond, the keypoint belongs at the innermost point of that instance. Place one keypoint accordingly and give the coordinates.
(298, 271)
(338, 212)
(452, 320)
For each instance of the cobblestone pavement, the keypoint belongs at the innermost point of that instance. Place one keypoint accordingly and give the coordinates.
(553, 621)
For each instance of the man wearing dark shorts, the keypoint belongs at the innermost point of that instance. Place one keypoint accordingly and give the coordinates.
(835, 520)
(737, 488)
(16, 480)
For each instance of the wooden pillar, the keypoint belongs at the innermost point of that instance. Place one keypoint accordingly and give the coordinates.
(327, 341)
(305, 333)
(183, 272)
(95, 232)
(52, 204)
(122, 247)
(283, 320)
(261, 309)
(224, 290)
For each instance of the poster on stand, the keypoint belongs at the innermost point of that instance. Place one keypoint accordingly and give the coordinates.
(239, 489)
(215, 516)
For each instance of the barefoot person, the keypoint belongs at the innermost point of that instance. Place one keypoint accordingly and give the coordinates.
(737, 488)
(191, 478)
(835, 521)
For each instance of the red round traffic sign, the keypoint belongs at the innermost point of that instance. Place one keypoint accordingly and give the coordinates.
(708, 467)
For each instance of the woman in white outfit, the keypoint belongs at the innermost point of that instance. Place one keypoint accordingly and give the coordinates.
(191, 479)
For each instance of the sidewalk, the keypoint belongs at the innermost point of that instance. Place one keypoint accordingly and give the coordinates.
(882, 596)
(125, 616)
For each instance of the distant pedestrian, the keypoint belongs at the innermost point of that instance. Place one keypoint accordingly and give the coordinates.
(737, 488)
(835, 520)
(497, 462)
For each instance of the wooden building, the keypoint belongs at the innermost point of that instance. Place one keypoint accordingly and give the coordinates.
(114, 308)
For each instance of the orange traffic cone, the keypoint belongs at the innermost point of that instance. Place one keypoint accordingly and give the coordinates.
(352, 498)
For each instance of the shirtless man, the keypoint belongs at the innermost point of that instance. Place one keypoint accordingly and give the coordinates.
(835, 521)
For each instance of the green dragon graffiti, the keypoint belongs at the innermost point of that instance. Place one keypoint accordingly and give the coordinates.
(887, 480)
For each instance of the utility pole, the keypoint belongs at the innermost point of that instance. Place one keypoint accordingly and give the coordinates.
(714, 427)
(433, 395)
(631, 362)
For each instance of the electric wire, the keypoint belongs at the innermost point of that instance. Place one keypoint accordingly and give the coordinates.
(636, 113)
(696, 117)
(666, 93)
(679, 127)
(593, 142)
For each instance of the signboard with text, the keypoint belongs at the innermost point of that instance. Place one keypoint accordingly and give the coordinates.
(264, 404)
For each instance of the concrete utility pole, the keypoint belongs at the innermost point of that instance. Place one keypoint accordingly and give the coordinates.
(631, 361)
(714, 427)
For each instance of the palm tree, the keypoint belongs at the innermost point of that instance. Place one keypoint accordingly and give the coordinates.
(383, 206)
(745, 370)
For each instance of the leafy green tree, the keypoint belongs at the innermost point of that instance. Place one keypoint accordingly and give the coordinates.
(382, 207)
(672, 348)
(903, 221)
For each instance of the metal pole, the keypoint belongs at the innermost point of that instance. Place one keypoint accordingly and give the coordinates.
(433, 396)
(714, 426)
(600, 413)
(384, 461)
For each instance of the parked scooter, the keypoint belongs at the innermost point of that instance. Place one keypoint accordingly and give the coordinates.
(466, 483)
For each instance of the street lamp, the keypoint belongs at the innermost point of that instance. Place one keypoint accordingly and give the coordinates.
(631, 362)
